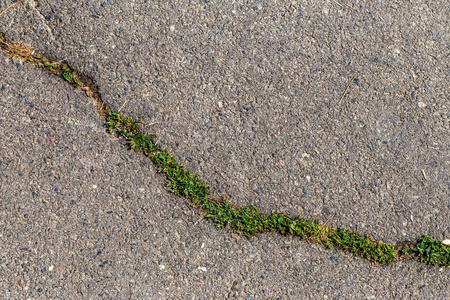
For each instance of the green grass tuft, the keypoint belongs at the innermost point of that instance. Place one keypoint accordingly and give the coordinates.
(249, 221)
(246, 220)
(70, 75)
(432, 252)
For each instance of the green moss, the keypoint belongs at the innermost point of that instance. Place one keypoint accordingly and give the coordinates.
(246, 220)
(70, 75)
(432, 252)
(249, 221)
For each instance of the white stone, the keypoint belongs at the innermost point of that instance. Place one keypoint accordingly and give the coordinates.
(446, 242)
(421, 104)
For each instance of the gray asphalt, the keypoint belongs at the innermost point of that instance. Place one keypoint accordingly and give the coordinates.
(248, 96)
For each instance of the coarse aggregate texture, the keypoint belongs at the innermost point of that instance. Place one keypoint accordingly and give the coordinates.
(249, 221)
(83, 217)
(435, 185)
(247, 95)
(241, 219)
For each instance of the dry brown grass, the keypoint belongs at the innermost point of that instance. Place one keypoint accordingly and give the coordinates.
(16, 50)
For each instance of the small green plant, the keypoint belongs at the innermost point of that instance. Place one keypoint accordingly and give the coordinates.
(71, 76)
(49, 66)
(247, 219)
(432, 252)
(363, 245)
(46, 63)
(181, 181)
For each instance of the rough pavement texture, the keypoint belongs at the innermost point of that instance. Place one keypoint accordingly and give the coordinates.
(248, 97)
(82, 217)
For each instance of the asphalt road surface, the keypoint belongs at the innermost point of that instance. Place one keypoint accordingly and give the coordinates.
(333, 111)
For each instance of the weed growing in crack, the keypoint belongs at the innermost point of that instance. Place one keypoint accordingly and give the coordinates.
(432, 252)
(181, 181)
(249, 221)
(246, 220)
(50, 66)
(71, 77)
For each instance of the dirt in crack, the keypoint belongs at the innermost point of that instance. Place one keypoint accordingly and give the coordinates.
(246, 220)
(57, 68)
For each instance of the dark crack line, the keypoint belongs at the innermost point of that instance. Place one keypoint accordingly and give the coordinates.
(247, 220)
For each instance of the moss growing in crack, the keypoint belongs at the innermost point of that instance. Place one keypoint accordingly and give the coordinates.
(362, 245)
(249, 221)
(246, 220)
(181, 181)
(30, 55)
(70, 75)
(49, 66)
(432, 252)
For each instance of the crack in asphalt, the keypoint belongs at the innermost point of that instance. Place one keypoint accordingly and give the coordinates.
(34, 6)
(85, 83)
